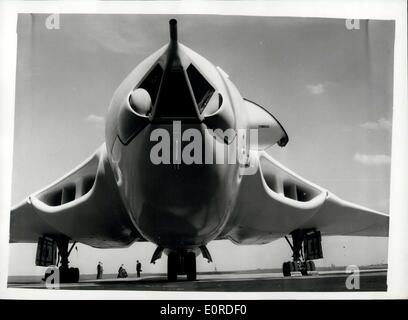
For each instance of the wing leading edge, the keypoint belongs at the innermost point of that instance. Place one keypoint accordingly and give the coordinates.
(275, 201)
(84, 206)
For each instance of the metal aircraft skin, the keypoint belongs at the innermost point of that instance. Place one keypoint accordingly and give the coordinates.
(119, 195)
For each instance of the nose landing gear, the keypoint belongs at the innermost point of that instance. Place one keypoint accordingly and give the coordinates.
(181, 262)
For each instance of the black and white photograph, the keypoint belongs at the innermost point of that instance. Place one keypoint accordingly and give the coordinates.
(201, 153)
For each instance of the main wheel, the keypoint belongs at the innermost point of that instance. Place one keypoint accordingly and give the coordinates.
(304, 268)
(190, 266)
(294, 266)
(286, 269)
(74, 273)
(70, 275)
(312, 266)
(172, 266)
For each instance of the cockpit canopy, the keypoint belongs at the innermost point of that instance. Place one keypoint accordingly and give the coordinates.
(173, 84)
(176, 91)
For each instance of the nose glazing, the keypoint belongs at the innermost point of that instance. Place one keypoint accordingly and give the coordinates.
(175, 98)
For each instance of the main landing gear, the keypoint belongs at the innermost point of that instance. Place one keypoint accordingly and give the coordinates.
(306, 246)
(66, 273)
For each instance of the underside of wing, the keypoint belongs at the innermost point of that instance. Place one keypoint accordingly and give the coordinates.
(275, 201)
(84, 206)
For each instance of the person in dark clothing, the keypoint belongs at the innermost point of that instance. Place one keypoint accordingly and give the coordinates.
(99, 271)
(122, 272)
(138, 268)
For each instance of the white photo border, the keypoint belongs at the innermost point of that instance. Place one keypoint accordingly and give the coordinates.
(396, 10)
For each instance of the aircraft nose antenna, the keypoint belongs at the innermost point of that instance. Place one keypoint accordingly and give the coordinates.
(173, 30)
(175, 98)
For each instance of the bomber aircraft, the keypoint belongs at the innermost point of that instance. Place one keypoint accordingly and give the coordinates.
(183, 164)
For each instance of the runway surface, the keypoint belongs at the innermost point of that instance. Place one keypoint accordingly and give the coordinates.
(370, 280)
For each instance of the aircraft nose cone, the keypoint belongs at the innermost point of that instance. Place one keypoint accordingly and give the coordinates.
(175, 98)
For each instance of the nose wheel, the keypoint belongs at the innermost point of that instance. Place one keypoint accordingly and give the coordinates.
(179, 263)
(173, 261)
(190, 266)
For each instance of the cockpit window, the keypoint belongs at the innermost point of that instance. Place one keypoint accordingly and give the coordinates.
(175, 97)
(152, 82)
(201, 88)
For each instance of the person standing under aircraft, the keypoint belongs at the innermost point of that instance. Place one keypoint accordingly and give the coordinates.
(138, 268)
(99, 271)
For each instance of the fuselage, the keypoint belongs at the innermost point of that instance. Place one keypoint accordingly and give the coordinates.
(171, 201)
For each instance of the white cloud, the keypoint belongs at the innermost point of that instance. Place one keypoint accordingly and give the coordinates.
(380, 124)
(316, 89)
(92, 118)
(372, 159)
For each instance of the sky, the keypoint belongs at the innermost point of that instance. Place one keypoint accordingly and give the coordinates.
(330, 87)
